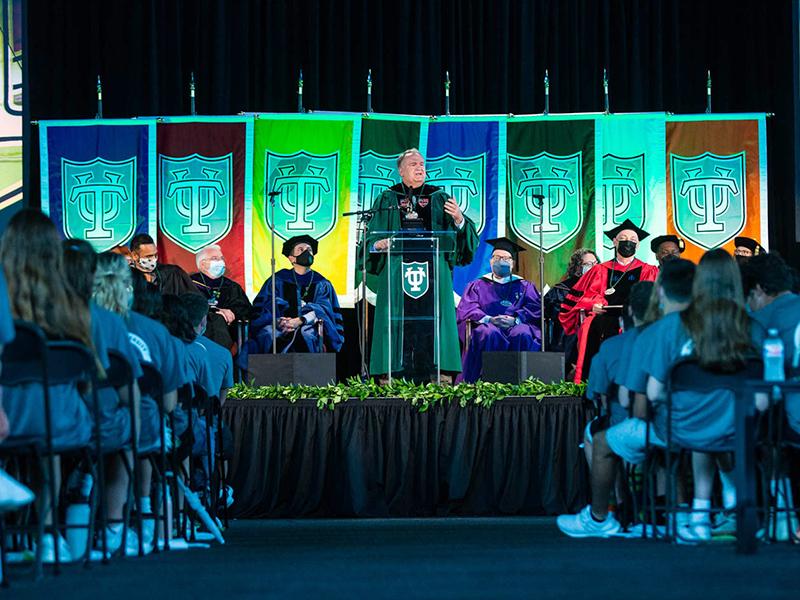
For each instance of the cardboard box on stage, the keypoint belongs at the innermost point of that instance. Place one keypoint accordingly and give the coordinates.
(284, 369)
(514, 367)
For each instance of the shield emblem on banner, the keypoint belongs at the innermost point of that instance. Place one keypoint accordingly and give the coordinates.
(415, 279)
(560, 214)
(99, 200)
(309, 193)
(376, 172)
(624, 194)
(464, 180)
(709, 197)
(195, 199)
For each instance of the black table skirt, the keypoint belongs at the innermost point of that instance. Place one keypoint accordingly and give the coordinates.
(381, 457)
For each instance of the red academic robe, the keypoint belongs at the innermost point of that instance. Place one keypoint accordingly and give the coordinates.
(588, 291)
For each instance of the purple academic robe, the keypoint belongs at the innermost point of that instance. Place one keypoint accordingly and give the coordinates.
(484, 297)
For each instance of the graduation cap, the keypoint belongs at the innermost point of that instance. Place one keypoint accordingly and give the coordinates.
(750, 244)
(626, 224)
(503, 243)
(289, 244)
(657, 241)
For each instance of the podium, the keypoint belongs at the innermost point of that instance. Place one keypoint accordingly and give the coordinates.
(407, 326)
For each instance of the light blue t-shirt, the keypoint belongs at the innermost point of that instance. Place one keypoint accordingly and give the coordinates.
(198, 365)
(221, 363)
(157, 347)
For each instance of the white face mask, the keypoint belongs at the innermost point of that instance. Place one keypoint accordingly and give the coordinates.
(148, 264)
(216, 268)
(585, 269)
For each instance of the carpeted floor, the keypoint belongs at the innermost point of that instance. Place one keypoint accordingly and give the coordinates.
(429, 558)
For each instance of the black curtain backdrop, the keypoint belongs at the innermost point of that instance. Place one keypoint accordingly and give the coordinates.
(246, 55)
(383, 458)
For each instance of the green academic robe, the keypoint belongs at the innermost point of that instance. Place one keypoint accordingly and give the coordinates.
(466, 242)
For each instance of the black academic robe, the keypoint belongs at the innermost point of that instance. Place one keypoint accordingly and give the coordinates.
(171, 279)
(223, 293)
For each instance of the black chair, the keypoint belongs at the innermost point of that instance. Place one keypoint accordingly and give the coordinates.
(120, 375)
(151, 385)
(686, 375)
(31, 359)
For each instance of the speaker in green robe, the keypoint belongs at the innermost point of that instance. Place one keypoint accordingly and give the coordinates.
(421, 284)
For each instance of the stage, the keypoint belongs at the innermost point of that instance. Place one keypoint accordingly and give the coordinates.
(385, 458)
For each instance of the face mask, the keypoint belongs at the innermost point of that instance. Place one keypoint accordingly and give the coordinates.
(668, 257)
(216, 268)
(501, 269)
(305, 259)
(626, 248)
(585, 269)
(148, 264)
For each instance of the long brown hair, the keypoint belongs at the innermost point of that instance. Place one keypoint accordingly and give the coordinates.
(38, 291)
(716, 319)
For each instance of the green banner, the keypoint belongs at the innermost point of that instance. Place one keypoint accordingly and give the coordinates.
(554, 159)
(312, 164)
(631, 170)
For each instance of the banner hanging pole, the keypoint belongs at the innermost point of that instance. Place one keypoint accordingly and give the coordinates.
(708, 92)
(546, 92)
(369, 91)
(99, 114)
(300, 108)
(192, 110)
(606, 104)
(447, 93)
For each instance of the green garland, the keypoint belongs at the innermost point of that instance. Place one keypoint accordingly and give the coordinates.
(421, 396)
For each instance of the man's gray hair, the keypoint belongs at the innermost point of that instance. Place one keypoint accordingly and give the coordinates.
(201, 254)
(405, 154)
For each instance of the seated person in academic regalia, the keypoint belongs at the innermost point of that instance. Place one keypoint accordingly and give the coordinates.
(746, 248)
(227, 301)
(667, 247)
(505, 310)
(601, 292)
(168, 279)
(303, 298)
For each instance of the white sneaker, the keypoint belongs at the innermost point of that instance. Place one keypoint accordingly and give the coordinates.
(694, 533)
(132, 544)
(49, 550)
(725, 524)
(13, 494)
(113, 538)
(584, 525)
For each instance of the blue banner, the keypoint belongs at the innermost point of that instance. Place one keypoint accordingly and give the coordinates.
(463, 158)
(98, 179)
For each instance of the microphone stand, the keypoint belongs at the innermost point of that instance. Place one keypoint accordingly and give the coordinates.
(364, 217)
(271, 201)
(541, 199)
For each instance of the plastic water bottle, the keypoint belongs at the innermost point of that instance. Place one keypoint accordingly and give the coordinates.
(773, 357)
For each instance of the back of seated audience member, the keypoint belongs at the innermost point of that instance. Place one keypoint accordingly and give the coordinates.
(716, 330)
(39, 292)
(606, 361)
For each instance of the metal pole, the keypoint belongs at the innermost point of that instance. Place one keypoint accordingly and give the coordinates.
(272, 269)
(192, 110)
(546, 92)
(99, 114)
(606, 106)
(369, 91)
(300, 108)
(447, 93)
(708, 92)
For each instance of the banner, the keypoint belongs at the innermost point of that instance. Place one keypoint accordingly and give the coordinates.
(716, 180)
(630, 169)
(204, 184)
(311, 162)
(98, 179)
(463, 158)
(551, 157)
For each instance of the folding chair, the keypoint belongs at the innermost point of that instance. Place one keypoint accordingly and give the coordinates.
(687, 375)
(31, 359)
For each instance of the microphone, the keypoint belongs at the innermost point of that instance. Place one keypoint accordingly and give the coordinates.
(273, 194)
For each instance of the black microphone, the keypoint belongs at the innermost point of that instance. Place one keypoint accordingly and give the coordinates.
(273, 194)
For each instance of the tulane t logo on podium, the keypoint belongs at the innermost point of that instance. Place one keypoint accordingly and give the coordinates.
(560, 214)
(415, 279)
(709, 197)
(309, 191)
(196, 199)
(99, 200)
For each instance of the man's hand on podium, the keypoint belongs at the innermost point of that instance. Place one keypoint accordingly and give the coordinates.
(382, 245)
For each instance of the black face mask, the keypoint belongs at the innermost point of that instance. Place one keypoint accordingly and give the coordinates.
(668, 257)
(305, 259)
(626, 248)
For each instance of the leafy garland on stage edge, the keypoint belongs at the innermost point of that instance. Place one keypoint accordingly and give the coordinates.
(421, 396)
